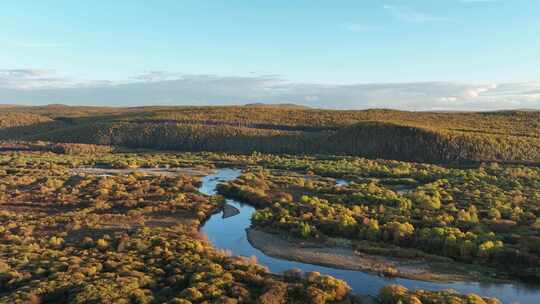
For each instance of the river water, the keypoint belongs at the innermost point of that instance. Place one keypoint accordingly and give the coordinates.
(230, 234)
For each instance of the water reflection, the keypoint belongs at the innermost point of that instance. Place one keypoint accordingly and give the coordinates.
(230, 234)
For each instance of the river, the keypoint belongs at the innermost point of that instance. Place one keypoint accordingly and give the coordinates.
(230, 234)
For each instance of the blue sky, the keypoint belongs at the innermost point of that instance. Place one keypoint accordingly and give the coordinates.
(346, 54)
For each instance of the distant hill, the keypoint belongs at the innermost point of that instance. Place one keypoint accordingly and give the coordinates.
(526, 110)
(56, 106)
(276, 105)
(9, 106)
(391, 134)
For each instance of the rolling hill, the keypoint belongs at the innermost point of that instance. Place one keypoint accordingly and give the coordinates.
(414, 136)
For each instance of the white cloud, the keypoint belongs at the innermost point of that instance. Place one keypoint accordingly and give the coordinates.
(447, 99)
(29, 86)
(156, 76)
(22, 73)
(30, 79)
(311, 98)
(476, 92)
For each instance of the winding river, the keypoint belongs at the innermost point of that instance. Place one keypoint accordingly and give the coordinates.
(230, 234)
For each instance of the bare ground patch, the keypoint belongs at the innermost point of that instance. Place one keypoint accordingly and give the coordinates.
(347, 258)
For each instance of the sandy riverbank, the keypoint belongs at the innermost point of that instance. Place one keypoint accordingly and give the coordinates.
(347, 258)
(199, 172)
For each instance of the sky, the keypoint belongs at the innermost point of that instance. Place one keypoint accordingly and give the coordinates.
(402, 54)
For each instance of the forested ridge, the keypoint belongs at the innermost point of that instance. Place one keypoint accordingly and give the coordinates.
(415, 136)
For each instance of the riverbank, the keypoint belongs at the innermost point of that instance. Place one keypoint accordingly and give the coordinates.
(189, 171)
(345, 257)
(230, 234)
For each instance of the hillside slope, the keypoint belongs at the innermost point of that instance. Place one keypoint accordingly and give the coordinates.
(417, 136)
